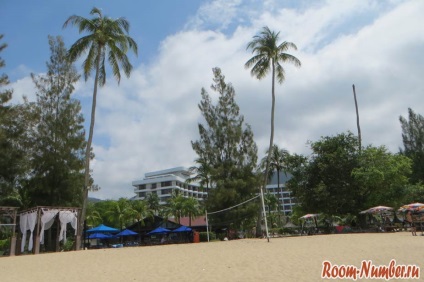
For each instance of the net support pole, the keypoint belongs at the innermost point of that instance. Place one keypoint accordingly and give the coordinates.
(207, 225)
(264, 213)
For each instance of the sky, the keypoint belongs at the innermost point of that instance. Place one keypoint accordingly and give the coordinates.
(147, 122)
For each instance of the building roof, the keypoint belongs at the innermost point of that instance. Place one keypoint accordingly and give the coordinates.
(198, 221)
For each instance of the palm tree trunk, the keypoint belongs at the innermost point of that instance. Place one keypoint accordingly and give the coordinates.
(88, 153)
(280, 195)
(357, 118)
(271, 143)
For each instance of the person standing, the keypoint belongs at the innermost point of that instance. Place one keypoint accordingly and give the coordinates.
(411, 223)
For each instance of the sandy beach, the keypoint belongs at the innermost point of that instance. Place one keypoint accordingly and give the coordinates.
(282, 259)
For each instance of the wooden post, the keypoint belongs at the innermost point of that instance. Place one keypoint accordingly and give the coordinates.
(37, 233)
(13, 239)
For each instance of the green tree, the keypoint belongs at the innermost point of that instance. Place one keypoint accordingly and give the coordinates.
(272, 203)
(175, 207)
(324, 182)
(382, 176)
(228, 149)
(153, 203)
(191, 208)
(139, 211)
(269, 56)
(413, 143)
(278, 163)
(93, 217)
(119, 212)
(13, 157)
(201, 174)
(57, 154)
(5, 94)
(107, 39)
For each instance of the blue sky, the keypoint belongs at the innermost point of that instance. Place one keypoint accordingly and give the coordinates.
(147, 122)
(26, 25)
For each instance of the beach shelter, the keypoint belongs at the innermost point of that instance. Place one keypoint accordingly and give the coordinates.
(182, 228)
(310, 216)
(126, 232)
(102, 229)
(377, 209)
(159, 230)
(411, 207)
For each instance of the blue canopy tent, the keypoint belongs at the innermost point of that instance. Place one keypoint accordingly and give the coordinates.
(184, 234)
(159, 230)
(126, 232)
(99, 236)
(182, 228)
(102, 229)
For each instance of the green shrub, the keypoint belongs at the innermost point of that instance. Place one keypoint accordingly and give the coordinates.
(4, 244)
(68, 246)
(204, 236)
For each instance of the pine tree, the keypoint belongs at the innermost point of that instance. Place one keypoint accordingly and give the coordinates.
(11, 154)
(413, 142)
(229, 153)
(58, 136)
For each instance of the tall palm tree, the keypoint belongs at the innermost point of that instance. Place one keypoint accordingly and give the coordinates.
(107, 38)
(277, 163)
(269, 55)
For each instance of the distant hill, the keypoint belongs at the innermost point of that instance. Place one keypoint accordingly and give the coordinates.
(93, 200)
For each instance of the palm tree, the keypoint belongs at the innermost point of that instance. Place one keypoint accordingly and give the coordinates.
(139, 211)
(119, 213)
(202, 174)
(271, 201)
(175, 207)
(191, 208)
(278, 163)
(268, 55)
(153, 203)
(107, 38)
(93, 216)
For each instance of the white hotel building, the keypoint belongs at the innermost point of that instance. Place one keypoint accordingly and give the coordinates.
(165, 182)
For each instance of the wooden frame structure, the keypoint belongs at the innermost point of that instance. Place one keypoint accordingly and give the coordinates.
(39, 210)
(12, 213)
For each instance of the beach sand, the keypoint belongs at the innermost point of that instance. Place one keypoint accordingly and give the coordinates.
(282, 259)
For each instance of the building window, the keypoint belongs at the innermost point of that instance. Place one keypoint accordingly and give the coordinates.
(166, 184)
(166, 191)
(154, 185)
(142, 186)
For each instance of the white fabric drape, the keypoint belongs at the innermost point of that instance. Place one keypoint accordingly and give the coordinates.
(66, 217)
(47, 220)
(32, 220)
(23, 223)
(74, 222)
